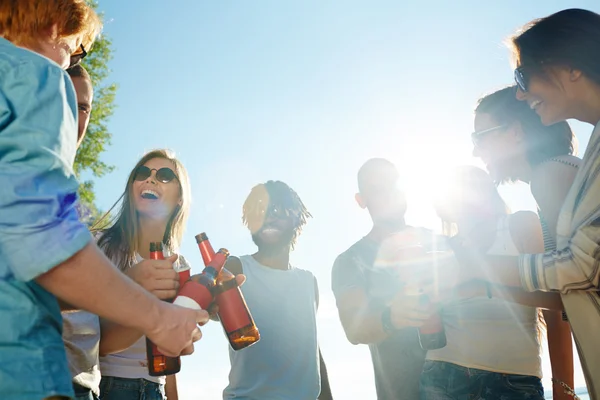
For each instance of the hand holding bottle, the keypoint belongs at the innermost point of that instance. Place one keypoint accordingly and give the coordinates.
(156, 276)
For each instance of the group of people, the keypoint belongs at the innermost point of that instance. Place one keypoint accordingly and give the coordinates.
(77, 304)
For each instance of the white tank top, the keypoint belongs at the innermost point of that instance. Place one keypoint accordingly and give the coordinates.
(492, 334)
(132, 363)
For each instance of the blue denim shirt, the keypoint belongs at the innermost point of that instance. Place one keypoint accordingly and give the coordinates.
(39, 226)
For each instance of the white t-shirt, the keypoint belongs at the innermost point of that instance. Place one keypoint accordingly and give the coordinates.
(492, 334)
(132, 363)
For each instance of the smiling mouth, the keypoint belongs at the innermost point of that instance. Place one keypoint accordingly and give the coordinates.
(270, 231)
(149, 195)
(535, 104)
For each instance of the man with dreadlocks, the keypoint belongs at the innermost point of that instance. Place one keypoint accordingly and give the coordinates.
(286, 363)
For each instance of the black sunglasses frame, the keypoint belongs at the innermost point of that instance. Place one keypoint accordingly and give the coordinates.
(521, 79)
(163, 175)
(76, 58)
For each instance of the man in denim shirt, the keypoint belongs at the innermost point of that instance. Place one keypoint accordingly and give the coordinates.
(44, 249)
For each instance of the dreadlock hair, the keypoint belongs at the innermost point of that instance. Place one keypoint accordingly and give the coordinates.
(277, 194)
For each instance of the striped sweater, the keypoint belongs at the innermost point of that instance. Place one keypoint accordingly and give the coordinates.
(573, 269)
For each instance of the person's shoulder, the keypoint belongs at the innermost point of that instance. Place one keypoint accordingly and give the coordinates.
(24, 62)
(353, 252)
(523, 220)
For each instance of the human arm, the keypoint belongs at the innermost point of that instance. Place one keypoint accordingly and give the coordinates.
(171, 388)
(325, 393)
(560, 347)
(362, 317)
(550, 184)
(157, 277)
(325, 387)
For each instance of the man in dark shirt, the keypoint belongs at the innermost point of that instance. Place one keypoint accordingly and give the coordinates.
(374, 306)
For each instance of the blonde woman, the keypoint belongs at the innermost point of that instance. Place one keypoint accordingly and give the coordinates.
(155, 208)
(45, 251)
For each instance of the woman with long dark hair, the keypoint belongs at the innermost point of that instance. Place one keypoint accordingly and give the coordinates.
(558, 74)
(513, 143)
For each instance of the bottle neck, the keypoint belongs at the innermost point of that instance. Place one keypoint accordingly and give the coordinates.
(211, 272)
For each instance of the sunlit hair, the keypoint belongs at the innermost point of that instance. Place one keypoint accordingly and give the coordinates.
(23, 22)
(541, 142)
(468, 179)
(275, 194)
(119, 241)
(568, 38)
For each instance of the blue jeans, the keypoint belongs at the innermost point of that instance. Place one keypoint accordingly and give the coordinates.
(446, 381)
(112, 388)
(83, 393)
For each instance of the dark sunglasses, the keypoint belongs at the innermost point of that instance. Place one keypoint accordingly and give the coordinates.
(522, 79)
(164, 175)
(476, 136)
(278, 213)
(78, 56)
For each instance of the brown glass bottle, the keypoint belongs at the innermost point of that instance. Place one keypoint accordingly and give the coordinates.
(158, 363)
(234, 314)
(198, 291)
(432, 335)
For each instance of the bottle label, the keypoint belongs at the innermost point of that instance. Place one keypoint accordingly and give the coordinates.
(194, 295)
(233, 310)
(184, 276)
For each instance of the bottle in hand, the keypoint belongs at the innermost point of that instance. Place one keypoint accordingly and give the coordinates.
(234, 314)
(432, 335)
(199, 291)
(158, 363)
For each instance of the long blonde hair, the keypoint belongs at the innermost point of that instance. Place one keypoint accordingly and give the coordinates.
(119, 241)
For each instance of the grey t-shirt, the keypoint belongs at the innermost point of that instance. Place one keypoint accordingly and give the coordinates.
(398, 360)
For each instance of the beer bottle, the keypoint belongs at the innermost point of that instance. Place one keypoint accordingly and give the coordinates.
(198, 291)
(158, 363)
(233, 312)
(432, 335)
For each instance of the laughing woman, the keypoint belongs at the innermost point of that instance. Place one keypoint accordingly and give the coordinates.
(155, 209)
(558, 75)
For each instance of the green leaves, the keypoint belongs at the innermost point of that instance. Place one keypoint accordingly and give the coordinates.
(98, 136)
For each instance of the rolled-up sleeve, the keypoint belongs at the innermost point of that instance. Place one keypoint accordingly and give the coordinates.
(39, 224)
(576, 267)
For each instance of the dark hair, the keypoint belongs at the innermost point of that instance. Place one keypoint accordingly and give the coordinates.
(279, 194)
(567, 38)
(77, 71)
(541, 142)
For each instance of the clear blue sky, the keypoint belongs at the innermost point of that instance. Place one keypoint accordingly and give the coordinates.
(304, 92)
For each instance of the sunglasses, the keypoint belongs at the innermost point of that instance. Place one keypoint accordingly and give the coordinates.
(522, 79)
(476, 136)
(164, 175)
(78, 56)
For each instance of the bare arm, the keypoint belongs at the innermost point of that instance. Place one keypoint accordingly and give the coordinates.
(171, 388)
(157, 277)
(361, 317)
(88, 280)
(560, 347)
(550, 184)
(325, 388)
